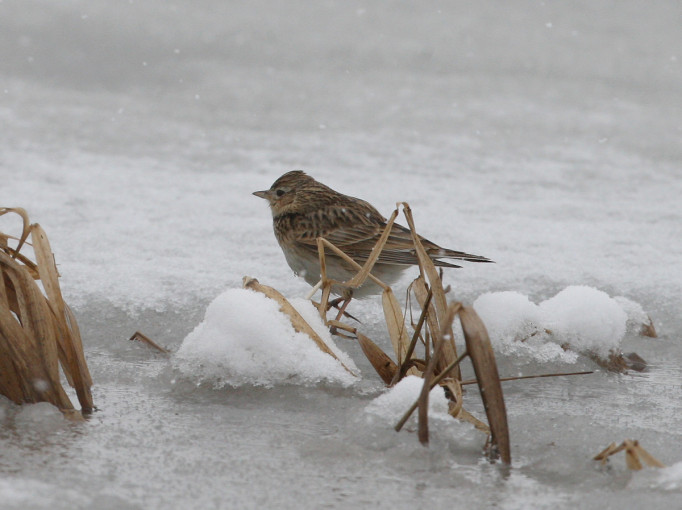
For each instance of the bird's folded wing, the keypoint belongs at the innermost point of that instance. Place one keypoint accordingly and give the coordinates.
(357, 234)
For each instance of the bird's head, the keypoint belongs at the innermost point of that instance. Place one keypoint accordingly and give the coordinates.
(293, 192)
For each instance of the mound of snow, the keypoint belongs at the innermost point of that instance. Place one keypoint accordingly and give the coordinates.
(245, 340)
(392, 405)
(579, 317)
(667, 479)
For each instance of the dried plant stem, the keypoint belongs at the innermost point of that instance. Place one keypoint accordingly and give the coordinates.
(505, 379)
(413, 343)
(423, 433)
(140, 337)
(635, 454)
(428, 269)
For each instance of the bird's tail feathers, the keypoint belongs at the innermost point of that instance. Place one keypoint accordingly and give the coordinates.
(458, 255)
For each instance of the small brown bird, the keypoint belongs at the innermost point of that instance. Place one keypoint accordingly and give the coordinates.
(304, 209)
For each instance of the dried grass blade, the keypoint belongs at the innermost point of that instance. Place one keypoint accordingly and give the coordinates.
(297, 321)
(466, 416)
(67, 337)
(485, 368)
(33, 314)
(427, 267)
(449, 351)
(12, 380)
(4, 297)
(413, 343)
(48, 271)
(382, 363)
(141, 337)
(72, 324)
(41, 329)
(631, 459)
(25, 231)
(423, 432)
(395, 322)
(648, 459)
(605, 453)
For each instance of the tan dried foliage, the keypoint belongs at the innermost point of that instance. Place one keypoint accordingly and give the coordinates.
(440, 365)
(38, 331)
(635, 454)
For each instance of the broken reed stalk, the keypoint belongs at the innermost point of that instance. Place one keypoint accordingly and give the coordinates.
(423, 433)
(142, 338)
(38, 332)
(635, 454)
(413, 343)
(428, 270)
(537, 376)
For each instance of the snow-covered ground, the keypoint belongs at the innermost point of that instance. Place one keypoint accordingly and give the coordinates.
(544, 135)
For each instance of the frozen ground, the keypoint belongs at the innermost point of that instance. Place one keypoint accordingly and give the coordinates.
(543, 135)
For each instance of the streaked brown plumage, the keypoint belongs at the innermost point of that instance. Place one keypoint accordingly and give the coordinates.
(304, 209)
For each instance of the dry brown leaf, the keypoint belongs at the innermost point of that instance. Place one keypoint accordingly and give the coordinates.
(485, 367)
(381, 362)
(395, 322)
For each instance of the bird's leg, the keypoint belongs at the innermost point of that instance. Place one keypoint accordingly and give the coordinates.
(342, 309)
(344, 300)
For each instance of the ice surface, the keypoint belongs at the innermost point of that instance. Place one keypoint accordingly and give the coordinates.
(544, 135)
(582, 318)
(245, 339)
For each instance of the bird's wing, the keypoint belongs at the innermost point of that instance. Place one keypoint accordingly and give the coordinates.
(352, 227)
(356, 228)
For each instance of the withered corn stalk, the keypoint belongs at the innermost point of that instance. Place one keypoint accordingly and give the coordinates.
(38, 331)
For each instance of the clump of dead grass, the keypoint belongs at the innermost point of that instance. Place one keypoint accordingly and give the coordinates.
(38, 331)
(635, 455)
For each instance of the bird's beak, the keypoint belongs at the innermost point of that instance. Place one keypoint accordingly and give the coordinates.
(261, 194)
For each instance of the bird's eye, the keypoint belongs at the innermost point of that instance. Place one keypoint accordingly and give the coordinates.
(279, 192)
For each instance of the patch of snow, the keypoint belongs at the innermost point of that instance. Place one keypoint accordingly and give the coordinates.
(667, 478)
(393, 404)
(244, 339)
(579, 317)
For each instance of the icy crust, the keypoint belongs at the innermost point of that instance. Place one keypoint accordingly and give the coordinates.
(245, 340)
(582, 318)
(392, 404)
